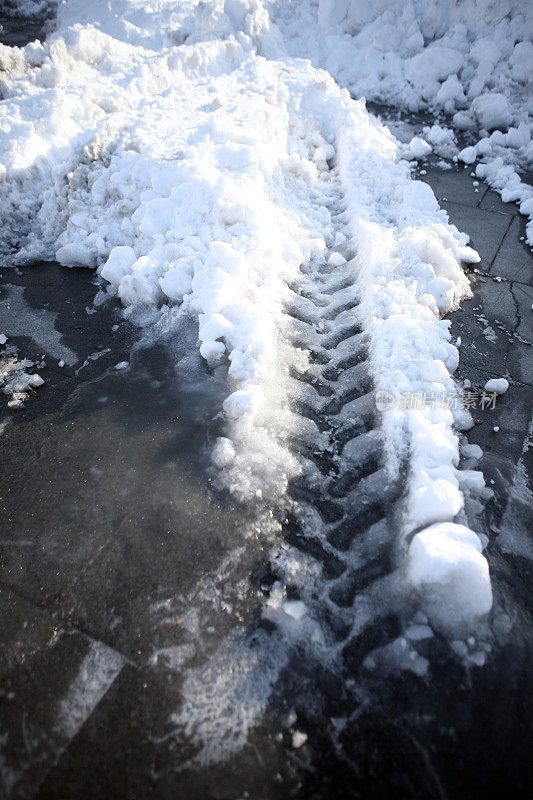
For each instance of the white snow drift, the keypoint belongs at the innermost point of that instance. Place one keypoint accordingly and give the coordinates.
(169, 149)
(472, 59)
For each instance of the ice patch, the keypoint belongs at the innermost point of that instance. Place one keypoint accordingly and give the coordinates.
(20, 319)
(226, 698)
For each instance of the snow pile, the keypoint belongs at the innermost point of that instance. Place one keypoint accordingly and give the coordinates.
(193, 174)
(168, 23)
(408, 260)
(472, 59)
(472, 56)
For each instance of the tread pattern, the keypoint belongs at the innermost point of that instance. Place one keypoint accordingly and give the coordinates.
(344, 502)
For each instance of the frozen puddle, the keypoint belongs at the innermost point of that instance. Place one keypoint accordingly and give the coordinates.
(204, 174)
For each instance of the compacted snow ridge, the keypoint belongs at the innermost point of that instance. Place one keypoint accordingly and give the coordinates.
(180, 152)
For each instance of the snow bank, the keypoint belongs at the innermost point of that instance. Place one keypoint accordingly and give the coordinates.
(472, 59)
(444, 55)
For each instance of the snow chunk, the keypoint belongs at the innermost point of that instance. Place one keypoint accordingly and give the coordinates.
(468, 155)
(324, 153)
(492, 111)
(497, 385)
(223, 452)
(336, 260)
(118, 264)
(299, 738)
(446, 564)
(432, 65)
(418, 148)
(450, 94)
(471, 451)
(522, 62)
(76, 254)
(176, 283)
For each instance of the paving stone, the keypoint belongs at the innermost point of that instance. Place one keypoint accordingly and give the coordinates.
(50, 682)
(514, 259)
(485, 324)
(510, 412)
(26, 629)
(454, 184)
(492, 201)
(520, 355)
(502, 449)
(485, 228)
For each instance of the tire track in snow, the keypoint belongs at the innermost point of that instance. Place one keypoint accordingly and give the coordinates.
(344, 503)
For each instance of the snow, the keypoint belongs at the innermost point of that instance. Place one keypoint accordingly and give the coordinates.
(473, 451)
(182, 154)
(468, 155)
(15, 380)
(491, 111)
(97, 671)
(497, 385)
(299, 738)
(471, 59)
(446, 558)
(418, 148)
(521, 61)
(420, 53)
(336, 260)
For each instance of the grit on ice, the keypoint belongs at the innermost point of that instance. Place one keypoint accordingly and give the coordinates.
(189, 154)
